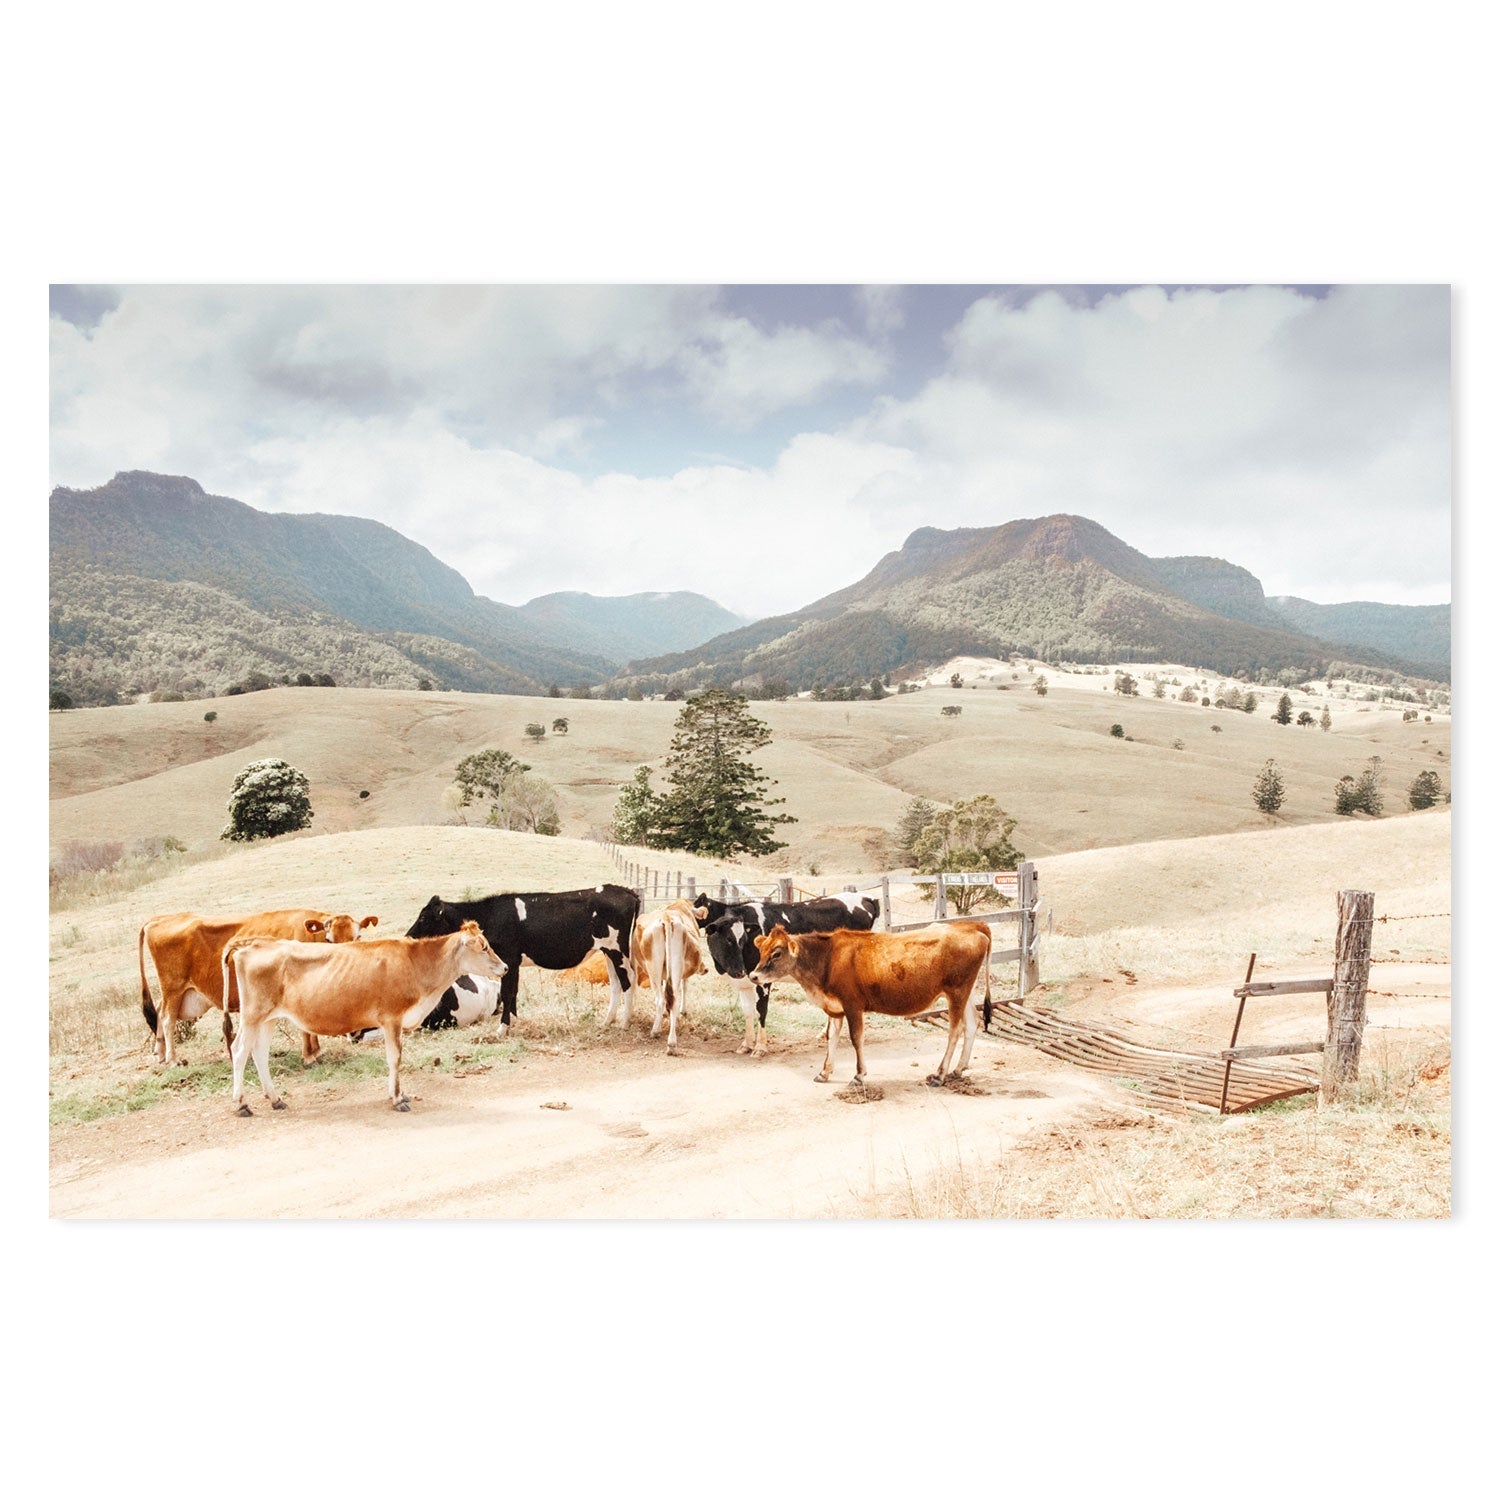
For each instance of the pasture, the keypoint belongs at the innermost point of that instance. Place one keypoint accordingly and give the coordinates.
(845, 769)
(564, 1119)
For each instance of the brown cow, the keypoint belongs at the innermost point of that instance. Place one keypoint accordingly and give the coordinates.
(383, 982)
(887, 973)
(188, 951)
(665, 955)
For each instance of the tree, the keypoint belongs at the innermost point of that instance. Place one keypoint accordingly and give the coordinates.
(1269, 790)
(877, 688)
(1305, 720)
(527, 804)
(1345, 799)
(210, 716)
(559, 726)
(1250, 703)
(955, 681)
(268, 797)
(580, 690)
(1160, 690)
(304, 679)
(1126, 684)
(59, 699)
(951, 709)
(424, 685)
(1424, 790)
(970, 835)
(715, 802)
(1118, 731)
(1039, 687)
(1326, 722)
(536, 732)
(553, 691)
(915, 817)
(1367, 789)
(1283, 714)
(481, 777)
(638, 810)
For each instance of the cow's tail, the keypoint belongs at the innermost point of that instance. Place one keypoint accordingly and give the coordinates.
(989, 1009)
(632, 927)
(227, 964)
(148, 1009)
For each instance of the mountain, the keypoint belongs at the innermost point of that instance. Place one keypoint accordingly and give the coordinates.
(1421, 633)
(1059, 587)
(628, 625)
(157, 585)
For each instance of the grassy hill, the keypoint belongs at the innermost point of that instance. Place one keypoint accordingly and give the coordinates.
(846, 769)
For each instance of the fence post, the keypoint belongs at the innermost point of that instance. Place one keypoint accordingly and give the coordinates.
(885, 901)
(1026, 894)
(940, 904)
(692, 887)
(723, 888)
(784, 888)
(1346, 1000)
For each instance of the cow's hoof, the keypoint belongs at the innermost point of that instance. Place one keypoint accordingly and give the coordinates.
(742, 1049)
(244, 1111)
(403, 1106)
(278, 1104)
(671, 1049)
(760, 1051)
(934, 1080)
(820, 1077)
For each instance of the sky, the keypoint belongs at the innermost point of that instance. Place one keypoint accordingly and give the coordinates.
(768, 444)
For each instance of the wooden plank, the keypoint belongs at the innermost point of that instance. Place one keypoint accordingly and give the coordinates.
(1280, 1049)
(1285, 987)
(976, 916)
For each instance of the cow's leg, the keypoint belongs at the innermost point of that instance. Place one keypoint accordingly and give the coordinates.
(510, 984)
(620, 987)
(238, 1052)
(762, 1009)
(310, 1047)
(261, 1053)
(857, 1036)
(835, 1025)
(971, 1030)
(956, 1009)
(165, 1045)
(747, 994)
(393, 1062)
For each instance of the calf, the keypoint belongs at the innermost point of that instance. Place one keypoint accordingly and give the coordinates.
(385, 982)
(665, 956)
(187, 951)
(887, 973)
(732, 930)
(554, 929)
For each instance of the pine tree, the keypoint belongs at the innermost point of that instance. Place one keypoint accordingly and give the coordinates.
(1283, 714)
(1269, 790)
(1424, 790)
(1326, 722)
(715, 803)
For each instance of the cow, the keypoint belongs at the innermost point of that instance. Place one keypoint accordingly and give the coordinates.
(554, 929)
(187, 950)
(732, 929)
(384, 982)
(888, 974)
(665, 955)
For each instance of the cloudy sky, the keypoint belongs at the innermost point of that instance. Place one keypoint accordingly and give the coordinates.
(766, 445)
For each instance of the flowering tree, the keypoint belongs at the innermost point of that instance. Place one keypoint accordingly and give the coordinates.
(268, 797)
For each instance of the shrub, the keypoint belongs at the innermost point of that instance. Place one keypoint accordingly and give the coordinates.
(1039, 687)
(423, 685)
(1118, 730)
(955, 681)
(268, 797)
(59, 699)
(949, 709)
(210, 716)
(559, 726)
(535, 732)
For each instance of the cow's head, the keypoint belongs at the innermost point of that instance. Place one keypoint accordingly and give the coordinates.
(475, 956)
(703, 909)
(339, 929)
(778, 955)
(731, 954)
(435, 919)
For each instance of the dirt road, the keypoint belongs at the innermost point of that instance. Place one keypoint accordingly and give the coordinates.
(702, 1135)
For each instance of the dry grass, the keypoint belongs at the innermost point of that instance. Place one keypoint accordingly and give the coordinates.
(1384, 1153)
(846, 769)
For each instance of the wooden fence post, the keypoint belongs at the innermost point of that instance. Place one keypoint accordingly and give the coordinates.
(885, 901)
(784, 888)
(1346, 1000)
(940, 905)
(692, 887)
(1026, 893)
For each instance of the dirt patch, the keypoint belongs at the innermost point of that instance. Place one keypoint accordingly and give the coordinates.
(956, 1083)
(861, 1093)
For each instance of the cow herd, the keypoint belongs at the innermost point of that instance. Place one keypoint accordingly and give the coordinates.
(460, 962)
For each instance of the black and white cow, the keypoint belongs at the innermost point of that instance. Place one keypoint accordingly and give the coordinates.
(554, 929)
(731, 930)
